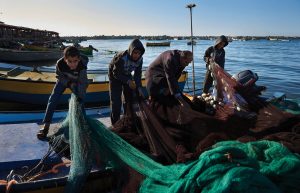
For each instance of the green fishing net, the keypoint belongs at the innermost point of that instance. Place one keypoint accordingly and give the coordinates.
(288, 105)
(230, 166)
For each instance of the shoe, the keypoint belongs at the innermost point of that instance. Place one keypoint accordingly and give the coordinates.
(42, 134)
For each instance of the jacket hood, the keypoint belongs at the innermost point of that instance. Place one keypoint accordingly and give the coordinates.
(220, 39)
(136, 44)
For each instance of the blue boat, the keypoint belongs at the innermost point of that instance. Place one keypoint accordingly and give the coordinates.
(19, 159)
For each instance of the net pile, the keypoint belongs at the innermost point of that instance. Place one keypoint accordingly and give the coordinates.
(261, 166)
(156, 134)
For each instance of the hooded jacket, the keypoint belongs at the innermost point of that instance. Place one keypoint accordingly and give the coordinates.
(66, 76)
(122, 65)
(217, 54)
(164, 72)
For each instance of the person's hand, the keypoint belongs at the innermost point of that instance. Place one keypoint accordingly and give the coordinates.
(207, 59)
(211, 60)
(182, 102)
(74, 88)
(132, 84)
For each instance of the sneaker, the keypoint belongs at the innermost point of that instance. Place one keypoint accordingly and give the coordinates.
(42, 134)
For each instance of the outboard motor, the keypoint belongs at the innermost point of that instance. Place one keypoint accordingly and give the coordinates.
(247, 80)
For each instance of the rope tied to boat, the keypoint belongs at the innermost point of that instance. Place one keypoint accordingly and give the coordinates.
(53, 170)
(8, 184)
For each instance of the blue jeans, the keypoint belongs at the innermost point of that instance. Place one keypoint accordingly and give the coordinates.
(57, 91)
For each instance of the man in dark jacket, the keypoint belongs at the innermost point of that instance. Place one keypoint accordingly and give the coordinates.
(216, 54)
(71, 71)
(163, 73)
(125, 74)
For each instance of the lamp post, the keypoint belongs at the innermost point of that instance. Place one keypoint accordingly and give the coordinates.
(190, 6)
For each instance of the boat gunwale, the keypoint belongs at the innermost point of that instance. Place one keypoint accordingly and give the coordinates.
(7, 78)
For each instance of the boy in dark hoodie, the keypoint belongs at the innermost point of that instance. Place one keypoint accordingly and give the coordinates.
(125, 74)
(71, 72)
(214, 53)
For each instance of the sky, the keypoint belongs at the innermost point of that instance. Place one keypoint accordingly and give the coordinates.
(155, 17)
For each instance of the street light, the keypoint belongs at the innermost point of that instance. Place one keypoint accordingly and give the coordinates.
(190, 6)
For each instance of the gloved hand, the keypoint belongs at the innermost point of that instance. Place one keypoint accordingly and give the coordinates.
(131, 84)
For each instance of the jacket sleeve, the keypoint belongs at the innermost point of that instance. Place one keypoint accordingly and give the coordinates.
(82, 83)
(207, 54)
(61, 77)
(138, 74)
(169, 68)
(118, 70)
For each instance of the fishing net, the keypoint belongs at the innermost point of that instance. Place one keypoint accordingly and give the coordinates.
(173, 133)
(231, 166)
(155, 134)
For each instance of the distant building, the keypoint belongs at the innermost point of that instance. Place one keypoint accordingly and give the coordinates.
(23, 34)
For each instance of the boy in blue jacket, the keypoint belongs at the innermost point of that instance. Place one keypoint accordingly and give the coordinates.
(71, 72)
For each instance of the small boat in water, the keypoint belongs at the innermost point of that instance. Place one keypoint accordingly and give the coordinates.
(158, 43)
(13, 55)
(34, 88)
(191, 42)
(88, 51)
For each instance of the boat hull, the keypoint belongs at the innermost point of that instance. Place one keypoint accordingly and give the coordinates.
(86, 51)
(37, 92)
(9, 55)
(158, 44)
(98, 181)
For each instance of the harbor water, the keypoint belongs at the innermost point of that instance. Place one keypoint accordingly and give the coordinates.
(275, 62)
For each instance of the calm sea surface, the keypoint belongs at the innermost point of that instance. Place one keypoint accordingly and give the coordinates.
(275, 62)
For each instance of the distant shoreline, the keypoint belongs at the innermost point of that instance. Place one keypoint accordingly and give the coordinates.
(165, 37)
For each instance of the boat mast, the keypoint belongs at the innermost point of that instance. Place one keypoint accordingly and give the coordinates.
(190, 6)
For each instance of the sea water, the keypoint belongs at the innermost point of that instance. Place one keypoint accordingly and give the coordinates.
(275, 62)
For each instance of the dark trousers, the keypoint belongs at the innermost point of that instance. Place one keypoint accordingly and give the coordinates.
(57, 91)
(207, 81)
(116, 88)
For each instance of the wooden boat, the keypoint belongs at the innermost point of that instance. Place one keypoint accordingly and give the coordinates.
(34, 88)
(158, 43)
(88, 51)
(24, 152)
(12, 55)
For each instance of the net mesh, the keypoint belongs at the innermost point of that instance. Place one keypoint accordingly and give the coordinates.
(149, 140)
(231, 166)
